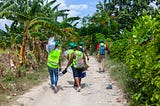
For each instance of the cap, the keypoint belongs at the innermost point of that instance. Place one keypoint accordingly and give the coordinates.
(56, 43)
(101, 41)
(71, 44)
(81, 43)
(75, 45)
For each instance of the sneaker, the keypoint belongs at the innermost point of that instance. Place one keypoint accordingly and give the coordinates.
(78, 89)
(61, 74)
(103, 70)
(52, 86)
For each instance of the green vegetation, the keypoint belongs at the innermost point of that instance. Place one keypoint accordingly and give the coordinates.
(12, 86)
(118, 73)
(140, 53)
(132, 32)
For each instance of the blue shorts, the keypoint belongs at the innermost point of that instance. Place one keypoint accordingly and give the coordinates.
(77, 72)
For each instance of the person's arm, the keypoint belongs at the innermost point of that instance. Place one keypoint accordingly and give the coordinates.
(107, 48)
(97, 49)
(70, 60)
(68, 56)
(85, 52)
(84, 58)
(60, 68)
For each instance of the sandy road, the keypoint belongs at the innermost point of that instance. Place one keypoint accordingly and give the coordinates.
(93, 93)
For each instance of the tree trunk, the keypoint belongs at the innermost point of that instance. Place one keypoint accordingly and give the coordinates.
(22, 50)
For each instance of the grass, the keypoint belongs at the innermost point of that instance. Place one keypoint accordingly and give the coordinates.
(16, 86)
(5, 51)
(118, 72)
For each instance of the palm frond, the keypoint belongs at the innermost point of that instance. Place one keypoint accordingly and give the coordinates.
(75, 24)
(48, 24)
(61, 13)
(4, 9)
(50, 3)
(5, 5)
(71, 19)
(55, 7)
(2, 33)
(16, 16)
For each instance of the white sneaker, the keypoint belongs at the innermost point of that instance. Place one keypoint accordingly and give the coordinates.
(52, 86)
(61, 74)
(78, 89)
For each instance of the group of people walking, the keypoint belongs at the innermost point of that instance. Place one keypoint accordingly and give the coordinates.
(76, 56)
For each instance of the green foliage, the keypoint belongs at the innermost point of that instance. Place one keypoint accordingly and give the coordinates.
(99, 36)
(32, 77)
(118, 72)
(139, 51)
(9, 77)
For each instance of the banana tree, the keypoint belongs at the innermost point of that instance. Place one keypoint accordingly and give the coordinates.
(3, 37)
(26, 12)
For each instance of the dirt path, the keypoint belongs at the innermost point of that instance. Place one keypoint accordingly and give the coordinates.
(93, 93)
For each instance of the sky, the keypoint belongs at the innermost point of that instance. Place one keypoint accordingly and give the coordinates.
(77, 8)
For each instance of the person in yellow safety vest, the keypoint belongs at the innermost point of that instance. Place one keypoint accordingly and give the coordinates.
(81, 47)
(71, 50)
(78, 60)
(54, 64)
(68, 55)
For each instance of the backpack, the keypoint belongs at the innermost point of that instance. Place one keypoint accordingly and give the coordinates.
(102, 49)
(51, 45)
(80, 60)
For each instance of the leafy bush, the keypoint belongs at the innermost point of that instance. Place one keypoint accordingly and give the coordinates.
(140, 52)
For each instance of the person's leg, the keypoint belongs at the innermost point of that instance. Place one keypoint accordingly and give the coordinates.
(80, 75)
(79, 80)
(74, 75)
(75, 85)
(103, 63)
(55, 79)
(79, 88)
(56, 76)
(76, 78)
(99, 63)
(50, 70)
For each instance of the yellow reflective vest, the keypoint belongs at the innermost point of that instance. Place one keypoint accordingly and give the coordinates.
(53, 58)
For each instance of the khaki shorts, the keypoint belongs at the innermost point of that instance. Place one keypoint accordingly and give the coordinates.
(100, 58)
